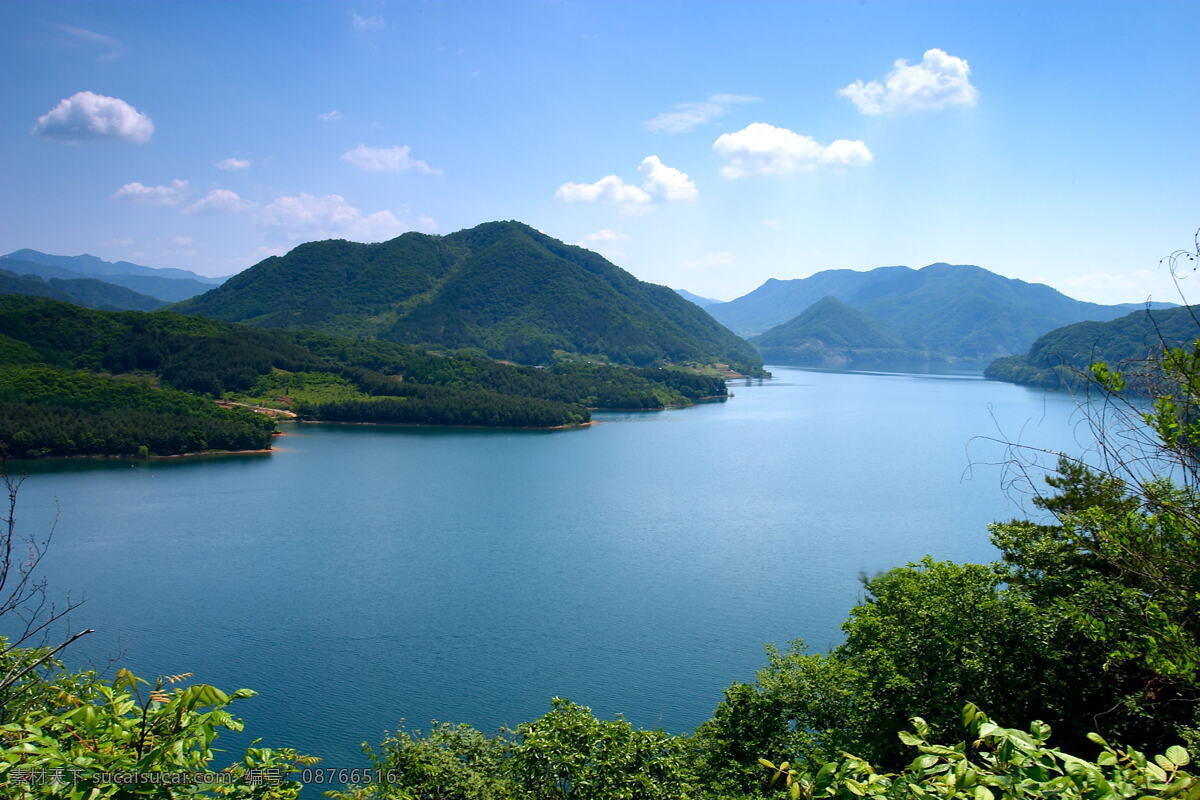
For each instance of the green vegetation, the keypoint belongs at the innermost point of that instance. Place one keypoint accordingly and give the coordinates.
(502, 288)
(1061, 358)
(53, 412)
(955, 312)
(830, 333)
(87, 292)
(64, 394)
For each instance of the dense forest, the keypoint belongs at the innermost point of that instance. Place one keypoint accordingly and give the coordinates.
(84, 291)
(954, 312)
(73, 372)
(1061, 358)
(830, 333)
(503, 289)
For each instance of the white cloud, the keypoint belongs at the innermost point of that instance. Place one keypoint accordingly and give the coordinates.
(772, 223)
(232, 164)
(762, 149)
(940, 80)
(667, 182)
(306, 215)
(152, 195)
(686, 116)
(182, 241)
(372, 23)
(426, 224)
(87, 115)
(387, 159)
(660, 181)
(218, 201)
(117, 242)
(330, 116)
(109, 48)
(721, 258)
(610, 187)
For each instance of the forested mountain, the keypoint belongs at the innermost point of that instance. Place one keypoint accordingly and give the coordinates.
(88, 354)
(88, 292)
(1062, 357)
(830, 333)
(166, 284)
(703, 302)
(959, 312)
(502, 288)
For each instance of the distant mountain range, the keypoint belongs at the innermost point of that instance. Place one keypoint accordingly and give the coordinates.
(502, 289)
(950, 313)
(166, 284)
(1062, 357)
(830, 333)
(703, 302)
(87, 292)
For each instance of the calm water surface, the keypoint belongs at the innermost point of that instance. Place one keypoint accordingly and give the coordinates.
(361, 576)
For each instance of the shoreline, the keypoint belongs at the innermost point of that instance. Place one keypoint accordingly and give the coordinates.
(465, 427)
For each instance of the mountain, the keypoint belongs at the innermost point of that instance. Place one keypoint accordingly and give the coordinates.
(500, 288)
(1061, 358)
(955, 311)
(97, 267)
(703, 302)
(830, 333)
(87, 292)
(167, 284)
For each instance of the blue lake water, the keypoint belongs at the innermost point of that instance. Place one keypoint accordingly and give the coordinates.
(364, 576)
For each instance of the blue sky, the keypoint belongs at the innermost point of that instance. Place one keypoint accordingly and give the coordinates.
(1054, 142)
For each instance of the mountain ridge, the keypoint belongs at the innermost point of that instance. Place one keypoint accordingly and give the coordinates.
(500, 288)
(960, 312)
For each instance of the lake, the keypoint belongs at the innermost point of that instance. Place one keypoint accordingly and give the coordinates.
(364, 578)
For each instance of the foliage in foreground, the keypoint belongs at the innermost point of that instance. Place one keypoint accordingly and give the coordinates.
(996, 761)
(74, 736)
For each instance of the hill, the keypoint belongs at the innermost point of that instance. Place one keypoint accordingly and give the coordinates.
(74, 381)
(830, 333)
(501, 288)
(962, 312)
(166, 284)
(1061, 358)
(703, 302)
(87, 292)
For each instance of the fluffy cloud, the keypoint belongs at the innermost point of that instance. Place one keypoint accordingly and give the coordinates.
(87, 115)
(218, 201)
(610, 188)
(330, 116)
(182, 241)
(152, 195)
(762, 149)
(686, 116)
(387, 159)
(660, 181)
(666, 182)
(306, 215)
(371, 23)
(940, 80)
(232, 164)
